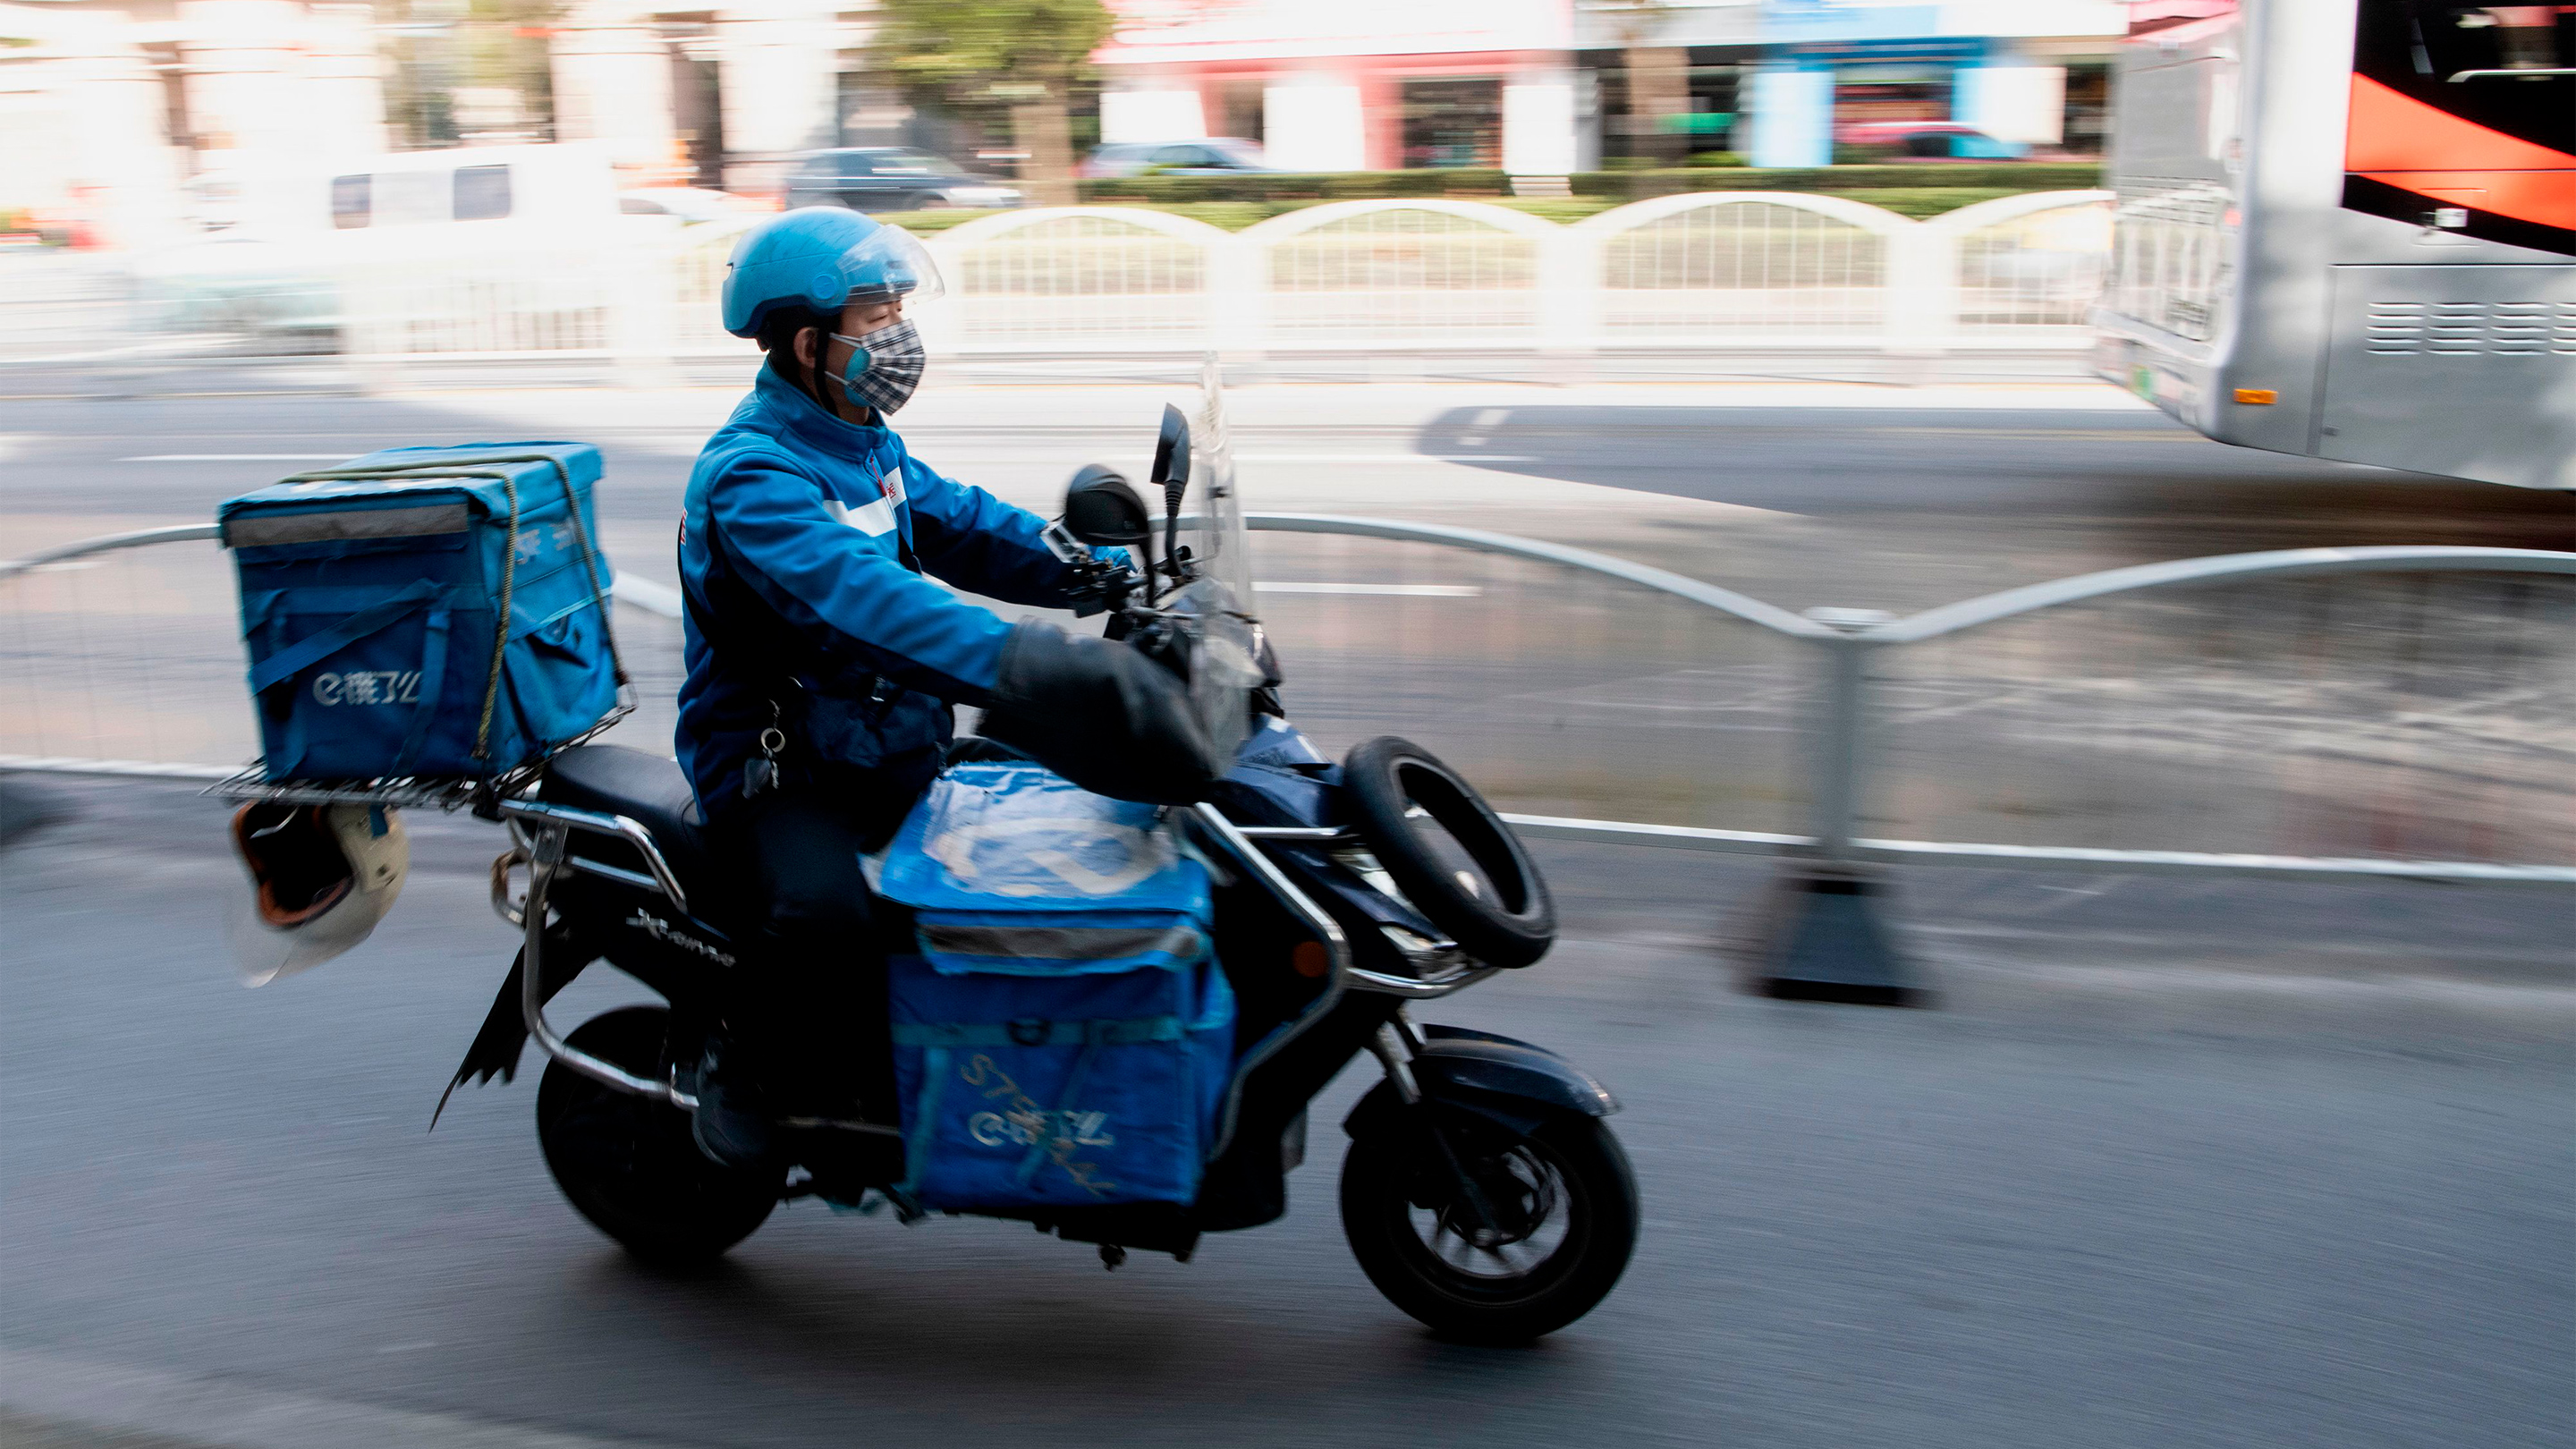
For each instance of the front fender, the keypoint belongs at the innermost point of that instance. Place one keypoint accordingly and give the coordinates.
(1509, 1082)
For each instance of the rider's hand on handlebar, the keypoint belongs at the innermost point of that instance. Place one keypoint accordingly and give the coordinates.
(1104, 588)
(1102, 715)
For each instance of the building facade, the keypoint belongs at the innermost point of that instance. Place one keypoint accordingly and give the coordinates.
(130, 113)
(1538, 87)
(110, 111)
(1350, 85)
(2008, 68)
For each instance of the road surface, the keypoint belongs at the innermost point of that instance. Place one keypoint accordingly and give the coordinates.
(2180, 1163)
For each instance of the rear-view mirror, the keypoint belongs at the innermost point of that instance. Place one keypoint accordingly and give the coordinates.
(1171, 450)
(1101, 508)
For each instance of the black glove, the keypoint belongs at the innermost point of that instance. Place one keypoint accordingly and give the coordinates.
(1101, 715)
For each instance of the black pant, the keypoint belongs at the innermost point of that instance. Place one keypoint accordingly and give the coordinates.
(810, 1000)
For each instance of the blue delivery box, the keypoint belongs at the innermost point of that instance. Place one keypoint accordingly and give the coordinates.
(425, 613)
(1063, 1034)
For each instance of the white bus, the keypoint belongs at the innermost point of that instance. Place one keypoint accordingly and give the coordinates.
(2347, 229)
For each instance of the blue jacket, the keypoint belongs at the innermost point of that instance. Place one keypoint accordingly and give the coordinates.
(803, 547)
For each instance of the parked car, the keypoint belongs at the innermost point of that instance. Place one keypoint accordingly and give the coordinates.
(1214, 156)
(691, 204)
(891, 178)
(1921, 141)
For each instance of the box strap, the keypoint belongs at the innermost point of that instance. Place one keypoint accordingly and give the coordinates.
(468, 468)
(312, 649)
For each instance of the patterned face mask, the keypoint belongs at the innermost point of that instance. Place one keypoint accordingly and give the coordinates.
(885, 366)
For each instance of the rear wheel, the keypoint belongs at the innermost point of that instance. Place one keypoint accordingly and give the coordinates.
(629, 1165)
(1559, 1224)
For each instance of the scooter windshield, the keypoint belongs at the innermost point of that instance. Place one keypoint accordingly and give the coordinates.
(1216, 539)
(1218, 602)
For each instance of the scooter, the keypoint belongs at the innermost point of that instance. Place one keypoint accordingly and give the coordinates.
(1482, 1192)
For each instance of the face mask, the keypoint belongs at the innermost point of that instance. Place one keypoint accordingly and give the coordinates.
(885, 366)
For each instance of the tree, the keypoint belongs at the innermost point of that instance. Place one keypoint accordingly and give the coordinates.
(1021, 54)
(1658, 79)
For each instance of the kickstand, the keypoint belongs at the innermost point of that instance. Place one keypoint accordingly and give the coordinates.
(1111, 1255)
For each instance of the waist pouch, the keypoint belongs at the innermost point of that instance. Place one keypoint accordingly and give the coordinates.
(1062, 1032)
(425, 612)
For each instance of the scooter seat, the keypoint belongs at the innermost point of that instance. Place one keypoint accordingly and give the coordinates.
(650, 790)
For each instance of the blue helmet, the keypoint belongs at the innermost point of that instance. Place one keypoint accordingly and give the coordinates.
(823, 257)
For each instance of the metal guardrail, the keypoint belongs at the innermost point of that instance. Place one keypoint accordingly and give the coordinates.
(140, 538)
(1836, 705)
(1850, 642)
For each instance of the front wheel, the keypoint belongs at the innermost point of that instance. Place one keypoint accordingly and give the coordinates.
(629, 1164)
(1559, 1221)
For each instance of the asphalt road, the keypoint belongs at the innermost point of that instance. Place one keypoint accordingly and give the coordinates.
(2176, 1164)
(2065, 1209)
(1887, 505)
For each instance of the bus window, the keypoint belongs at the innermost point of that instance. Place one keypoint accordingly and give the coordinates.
(482, 193)
(349, 201)
(2508, 68)
(2464, 118)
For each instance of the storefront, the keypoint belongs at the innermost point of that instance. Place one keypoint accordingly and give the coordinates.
(1848, 78)
(1402, 83)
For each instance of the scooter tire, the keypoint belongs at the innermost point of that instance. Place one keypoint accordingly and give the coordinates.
(1390, 1177)
(629, 1164)
(1385, 779)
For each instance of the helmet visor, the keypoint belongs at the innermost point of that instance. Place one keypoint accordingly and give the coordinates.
(890, 262)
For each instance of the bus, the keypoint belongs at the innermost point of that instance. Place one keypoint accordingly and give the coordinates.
(2347, 229)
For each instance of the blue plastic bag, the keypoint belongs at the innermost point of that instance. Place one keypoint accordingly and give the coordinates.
(1063, 1035)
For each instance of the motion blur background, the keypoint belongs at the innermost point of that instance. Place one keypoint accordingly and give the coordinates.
(308, 177)
(1790, 297)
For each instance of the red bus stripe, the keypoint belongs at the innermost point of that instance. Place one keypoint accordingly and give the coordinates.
(2393, 131)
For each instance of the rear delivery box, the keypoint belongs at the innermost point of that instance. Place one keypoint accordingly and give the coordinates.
(373, 606)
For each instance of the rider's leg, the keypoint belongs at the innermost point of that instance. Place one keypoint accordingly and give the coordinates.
(823, 973)
(805, 1030)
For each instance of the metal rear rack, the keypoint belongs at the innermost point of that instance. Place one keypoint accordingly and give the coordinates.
(436, 792)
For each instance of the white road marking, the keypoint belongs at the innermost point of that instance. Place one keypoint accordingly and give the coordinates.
(239, 458)
(1408, 591)
(206, 1410)
(1484, 422)
(1380, 458)
(646, 594)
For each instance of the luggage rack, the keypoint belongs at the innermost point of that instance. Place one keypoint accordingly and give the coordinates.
(440, 792)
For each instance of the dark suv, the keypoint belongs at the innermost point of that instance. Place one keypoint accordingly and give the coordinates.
(891, 178)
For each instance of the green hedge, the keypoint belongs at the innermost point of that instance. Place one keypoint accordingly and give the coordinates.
(1996, 176)
(1274, 187)
(1287, 186)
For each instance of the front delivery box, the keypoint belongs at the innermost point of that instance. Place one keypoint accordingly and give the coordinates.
(372, 607)
(1063, 1035)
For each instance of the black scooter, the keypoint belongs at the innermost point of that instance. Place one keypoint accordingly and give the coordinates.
(1483, 1193)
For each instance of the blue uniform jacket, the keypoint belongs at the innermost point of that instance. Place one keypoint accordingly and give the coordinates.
(802, 551)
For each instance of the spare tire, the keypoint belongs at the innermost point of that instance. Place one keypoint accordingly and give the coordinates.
(1477, 883)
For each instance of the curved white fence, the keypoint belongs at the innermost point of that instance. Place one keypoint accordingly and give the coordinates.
(1714, 272)
(1077, 278)
(2024, 262)
(1428, 273)
(1723, 267)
